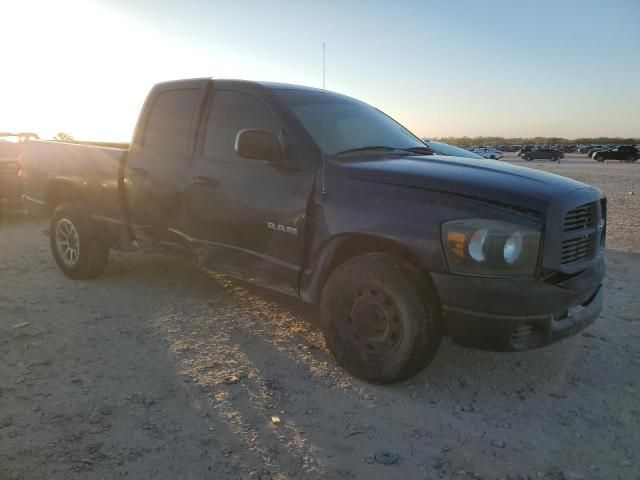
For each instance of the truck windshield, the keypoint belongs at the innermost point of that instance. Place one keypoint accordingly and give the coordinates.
(339, 124)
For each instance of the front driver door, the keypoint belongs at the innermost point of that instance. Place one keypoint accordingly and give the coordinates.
(247, 216)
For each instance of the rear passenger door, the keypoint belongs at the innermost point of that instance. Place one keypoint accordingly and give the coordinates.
(247, 217)
(157, 171)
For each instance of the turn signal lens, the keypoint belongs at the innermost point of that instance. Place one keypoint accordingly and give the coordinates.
(455, 242)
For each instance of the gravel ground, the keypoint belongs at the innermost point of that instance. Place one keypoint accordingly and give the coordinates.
(156, 370)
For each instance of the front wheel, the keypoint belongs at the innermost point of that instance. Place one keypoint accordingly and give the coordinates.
(380, 318)
(528, 158)
(75, 249)
(598, 158)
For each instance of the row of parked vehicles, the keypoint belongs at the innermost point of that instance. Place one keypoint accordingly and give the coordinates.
(600, 153)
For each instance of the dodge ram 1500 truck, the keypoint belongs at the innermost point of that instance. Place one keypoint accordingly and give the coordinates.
(326, 198)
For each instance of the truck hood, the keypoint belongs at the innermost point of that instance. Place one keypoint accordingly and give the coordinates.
(488, 180)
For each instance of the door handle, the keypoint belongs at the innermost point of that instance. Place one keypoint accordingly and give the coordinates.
(208, 181)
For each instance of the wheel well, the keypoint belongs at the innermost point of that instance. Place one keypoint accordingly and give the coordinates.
(59, 191)
(355, 245)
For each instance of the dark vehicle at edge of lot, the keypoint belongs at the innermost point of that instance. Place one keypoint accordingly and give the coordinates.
(11, 145)
(624, 153)
(325, 198)
(543, 153)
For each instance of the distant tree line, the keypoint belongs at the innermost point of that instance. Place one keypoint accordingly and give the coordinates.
(536, 140)
(63, 137)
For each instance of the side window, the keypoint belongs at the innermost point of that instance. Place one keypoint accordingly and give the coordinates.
(231, 112)
(169, 124)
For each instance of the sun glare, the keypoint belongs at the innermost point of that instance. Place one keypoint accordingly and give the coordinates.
(86, 72)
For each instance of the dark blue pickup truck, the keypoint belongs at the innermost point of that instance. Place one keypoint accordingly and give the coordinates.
(328, 199)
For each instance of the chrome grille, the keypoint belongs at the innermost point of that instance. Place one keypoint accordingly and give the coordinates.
(576, 247)
(578, 218)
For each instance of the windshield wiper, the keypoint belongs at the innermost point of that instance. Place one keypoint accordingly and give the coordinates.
(362, 149)
(422, 150)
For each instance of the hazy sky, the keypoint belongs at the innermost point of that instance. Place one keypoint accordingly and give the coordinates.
(509, 68)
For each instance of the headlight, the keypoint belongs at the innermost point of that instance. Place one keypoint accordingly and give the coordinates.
(490, 248)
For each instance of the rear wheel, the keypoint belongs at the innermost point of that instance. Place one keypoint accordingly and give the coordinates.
(528, 158)
(75, 249)
(630, 159)
(380, 318)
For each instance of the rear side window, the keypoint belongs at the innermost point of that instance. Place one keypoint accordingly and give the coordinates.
(231, 112)
(169, 123)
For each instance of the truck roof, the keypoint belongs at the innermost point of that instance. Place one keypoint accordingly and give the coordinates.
(268, 85)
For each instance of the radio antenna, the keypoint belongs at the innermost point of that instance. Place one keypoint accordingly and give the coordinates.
(324, 190)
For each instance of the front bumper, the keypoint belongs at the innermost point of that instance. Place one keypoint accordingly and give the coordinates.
(519, 314)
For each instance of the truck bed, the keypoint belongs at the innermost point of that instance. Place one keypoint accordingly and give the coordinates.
(91, 169)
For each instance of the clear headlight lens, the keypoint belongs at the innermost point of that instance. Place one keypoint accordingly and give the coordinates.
(512, 248)
(483, 247)
(476, 245)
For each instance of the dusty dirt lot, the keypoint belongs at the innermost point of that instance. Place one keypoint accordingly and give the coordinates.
(156, 370)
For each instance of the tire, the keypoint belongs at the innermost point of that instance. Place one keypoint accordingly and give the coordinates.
(528, 158)
(78, 254)
(492, 157)
(381, 319)
(553, 159)
(598, 158)
(630, 159)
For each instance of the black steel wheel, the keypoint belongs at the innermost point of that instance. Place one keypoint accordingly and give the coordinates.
(380, 318)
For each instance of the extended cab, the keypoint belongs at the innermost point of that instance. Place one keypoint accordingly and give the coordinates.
(325, 198)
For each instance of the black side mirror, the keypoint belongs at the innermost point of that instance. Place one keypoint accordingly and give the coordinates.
(259, 145)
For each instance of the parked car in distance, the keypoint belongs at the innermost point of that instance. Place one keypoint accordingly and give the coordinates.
(11, 145)
(624, 153)
(327, 199)
(584, 149)
(546, 153)
(441, 148)
(491, 153)
(593, 150)
(524, 149)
